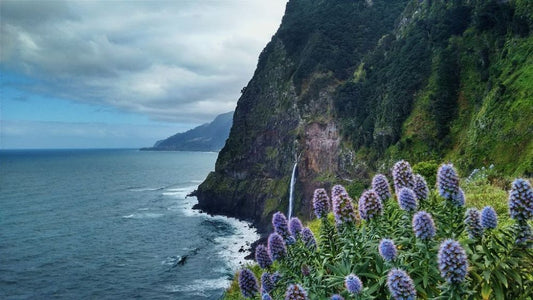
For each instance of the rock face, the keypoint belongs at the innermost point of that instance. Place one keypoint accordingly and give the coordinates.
(346, 87)
(207, 137)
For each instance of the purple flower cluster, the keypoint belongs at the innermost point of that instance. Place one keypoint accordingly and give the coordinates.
(407, 199)
(402, 175)
(266, 296)
(342, 208)
(276, 246)
(380, 185)
(276, 277)
(521, 200)
(453, 264)
(423, 225)
(447, 182)
(370, 205)
(459, 198)
(400, 285)
(421, 188)
(267, 283)
(281, 226)
(308, 238)
(248, 283)
(387, 249)
(337, 190)
(295, 292)
(295, 227)
(353, 284)
(337, 297)
(489, 218)
(262, 257)
(321, 203)
(473, 223)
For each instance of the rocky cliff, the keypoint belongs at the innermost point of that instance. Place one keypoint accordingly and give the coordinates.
(345, 87)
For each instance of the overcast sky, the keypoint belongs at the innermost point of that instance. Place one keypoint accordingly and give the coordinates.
(124, 73)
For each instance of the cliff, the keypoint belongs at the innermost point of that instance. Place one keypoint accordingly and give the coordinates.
(346, 87)
(207, 137)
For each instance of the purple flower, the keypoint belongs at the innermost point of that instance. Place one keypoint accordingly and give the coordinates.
(407, 199)
(276, 246)
(447, 182)
(343, 209)
(276, 277)
(295, 227)
(524, 235)
(281, 227)
(459, 198)
(353, 284)
(337, 297)
(387, 249)
(473, 223)
(521, 200)
(248, 283)
(402, 175)
(400, 285)
(267, 283)
(266, 296)
(423, 225)
(321, 203)
(295, 292)
(308, 238)
(453, 264)
(380, 185)
(370, 205)
(337, 190)
(421, 188)
(489, 218)
(262, 257)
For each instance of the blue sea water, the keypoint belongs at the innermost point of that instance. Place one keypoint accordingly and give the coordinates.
(112, 224)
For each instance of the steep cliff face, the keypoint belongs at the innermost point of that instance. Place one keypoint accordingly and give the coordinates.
(345, 87)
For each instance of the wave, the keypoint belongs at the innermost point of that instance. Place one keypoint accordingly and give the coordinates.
(196, 287)
(143, 216)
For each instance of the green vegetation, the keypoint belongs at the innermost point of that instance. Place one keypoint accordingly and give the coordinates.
(455, 82)
(496, 264)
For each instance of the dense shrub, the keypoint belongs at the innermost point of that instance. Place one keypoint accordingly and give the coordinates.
(435, 250)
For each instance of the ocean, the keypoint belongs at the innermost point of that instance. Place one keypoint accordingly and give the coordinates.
(112, 224)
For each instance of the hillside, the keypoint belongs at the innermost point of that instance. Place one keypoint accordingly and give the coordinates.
(207, 137)
(351, 86)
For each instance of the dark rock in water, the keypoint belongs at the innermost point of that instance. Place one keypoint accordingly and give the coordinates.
(192, 194)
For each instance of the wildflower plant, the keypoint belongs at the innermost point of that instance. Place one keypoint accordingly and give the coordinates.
(402, 175)
(248, 283)
(295, 227)
(489, 218)
(380, 185)
(370, 205)
(262, 257)
(443, 251)
(421, 188)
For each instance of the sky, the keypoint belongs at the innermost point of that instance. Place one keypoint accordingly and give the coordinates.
(123, 74)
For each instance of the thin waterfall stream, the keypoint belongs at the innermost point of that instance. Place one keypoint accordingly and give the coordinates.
(291, 192)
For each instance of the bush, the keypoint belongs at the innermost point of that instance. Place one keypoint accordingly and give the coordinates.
(428, 169)
(433, 256)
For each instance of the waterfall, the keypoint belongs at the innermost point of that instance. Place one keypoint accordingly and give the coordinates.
(291, 192)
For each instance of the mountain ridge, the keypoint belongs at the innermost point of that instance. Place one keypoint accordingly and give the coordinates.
(206, 137)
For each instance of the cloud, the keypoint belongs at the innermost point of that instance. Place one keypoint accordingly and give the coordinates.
(181, 61)
(36, 134)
